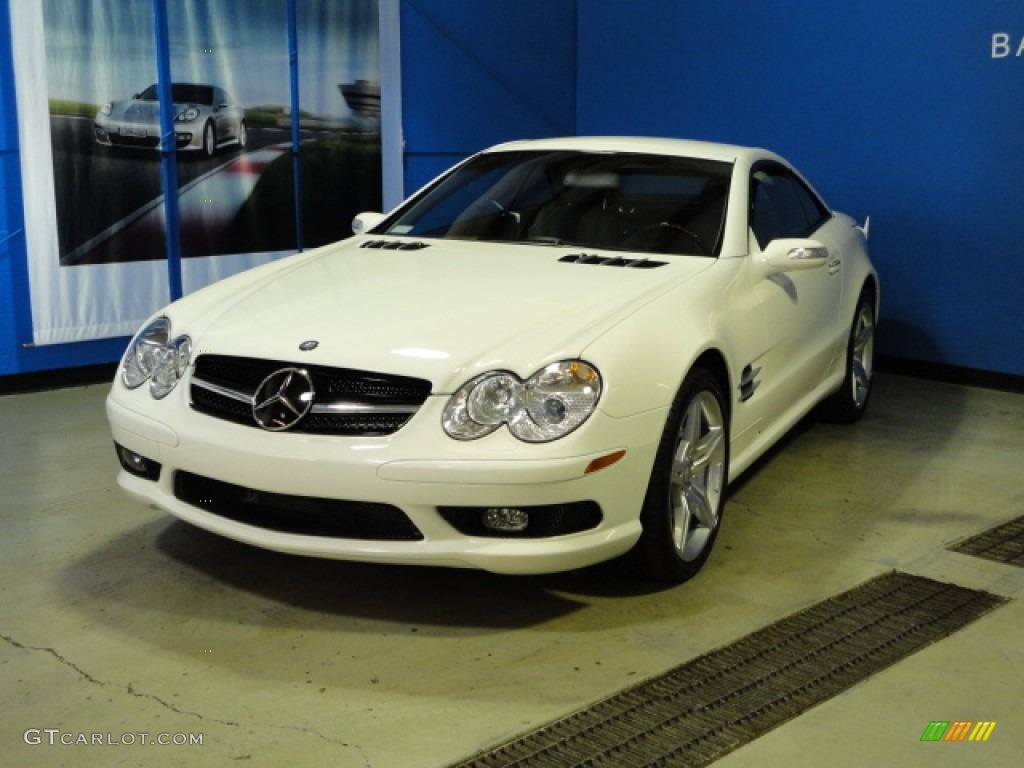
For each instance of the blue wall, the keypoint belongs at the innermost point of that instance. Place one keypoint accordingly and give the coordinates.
(897, 110)
(10, 197)
(478, 73)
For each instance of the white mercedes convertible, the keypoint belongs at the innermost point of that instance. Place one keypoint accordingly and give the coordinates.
(558, 352)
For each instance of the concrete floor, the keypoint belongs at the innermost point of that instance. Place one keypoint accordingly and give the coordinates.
(117, 620)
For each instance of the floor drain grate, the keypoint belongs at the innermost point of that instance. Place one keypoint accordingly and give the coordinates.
(1004, 544)
(705, 708)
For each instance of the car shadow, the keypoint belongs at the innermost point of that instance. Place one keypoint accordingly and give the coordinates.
(828, 497)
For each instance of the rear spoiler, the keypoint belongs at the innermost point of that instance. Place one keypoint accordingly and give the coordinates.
(864, 229)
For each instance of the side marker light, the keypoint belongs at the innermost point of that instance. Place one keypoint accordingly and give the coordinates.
(603, 461)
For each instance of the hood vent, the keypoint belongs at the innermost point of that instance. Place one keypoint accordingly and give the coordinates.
(394, 245)
(611, 261)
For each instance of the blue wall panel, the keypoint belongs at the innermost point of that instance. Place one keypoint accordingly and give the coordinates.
(11, 247)
(13, 286)
(10, 195)
(898, 110)
(478, 73)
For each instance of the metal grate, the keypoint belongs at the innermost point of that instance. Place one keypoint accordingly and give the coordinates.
(701, 710)
(1003, 544)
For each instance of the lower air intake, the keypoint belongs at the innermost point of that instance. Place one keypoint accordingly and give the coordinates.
(306, 515)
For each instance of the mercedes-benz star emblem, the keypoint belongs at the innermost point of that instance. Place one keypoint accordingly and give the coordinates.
(282, 399)
(306, 346)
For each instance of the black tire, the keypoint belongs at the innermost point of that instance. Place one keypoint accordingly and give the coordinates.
(209, 140)
(682, 511)
(850, 401)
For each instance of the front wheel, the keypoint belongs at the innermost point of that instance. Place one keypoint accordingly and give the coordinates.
(209, 140)
(850, 402)
(682, 510)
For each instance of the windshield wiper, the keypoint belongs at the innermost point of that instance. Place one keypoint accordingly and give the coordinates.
(549, 241)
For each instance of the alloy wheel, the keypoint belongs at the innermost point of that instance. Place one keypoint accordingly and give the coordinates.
(862, 358)
(697, 476)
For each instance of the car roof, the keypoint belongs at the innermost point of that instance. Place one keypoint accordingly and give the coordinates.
(656, 146)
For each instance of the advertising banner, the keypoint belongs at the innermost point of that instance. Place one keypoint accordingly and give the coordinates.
(91, 143)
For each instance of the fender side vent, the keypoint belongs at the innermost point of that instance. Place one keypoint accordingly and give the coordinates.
(394, 245)
(611, 261)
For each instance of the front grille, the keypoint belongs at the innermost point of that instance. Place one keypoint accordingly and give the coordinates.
(364, 424)
(145, 142)
(222, 406)
(307, 515)
(347, 402)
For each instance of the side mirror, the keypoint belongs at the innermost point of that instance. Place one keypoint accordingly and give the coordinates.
(792, 255)
(366, 221)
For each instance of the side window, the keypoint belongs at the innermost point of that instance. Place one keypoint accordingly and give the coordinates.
(781, 206)
(815, 210)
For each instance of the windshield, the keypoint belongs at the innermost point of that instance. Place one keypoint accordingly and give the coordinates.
(613, 201)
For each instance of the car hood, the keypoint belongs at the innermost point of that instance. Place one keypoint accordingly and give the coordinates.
(444, 312)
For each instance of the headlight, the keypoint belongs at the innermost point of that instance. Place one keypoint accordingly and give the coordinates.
(547, 406)
(107, 109)
(187, 115)
(154, 356)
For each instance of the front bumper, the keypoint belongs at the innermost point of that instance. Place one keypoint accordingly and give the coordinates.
(116, 133)
(497, 471)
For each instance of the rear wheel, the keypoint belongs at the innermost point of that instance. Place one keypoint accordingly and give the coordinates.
(682, 510)
(850, 402)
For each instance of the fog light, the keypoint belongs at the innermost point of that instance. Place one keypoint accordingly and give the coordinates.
(133, 462)
(137, 464)
(506, 519)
